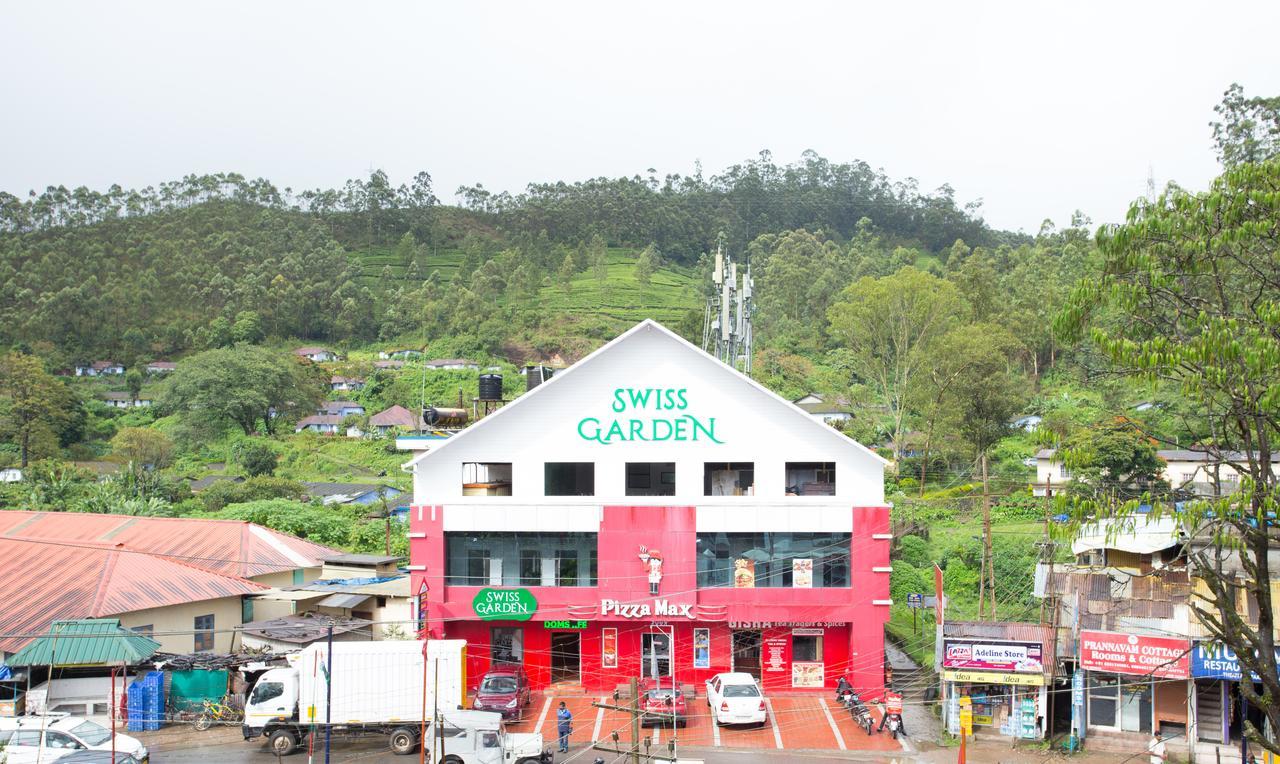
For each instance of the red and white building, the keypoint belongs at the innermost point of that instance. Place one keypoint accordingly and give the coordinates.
(651, 511)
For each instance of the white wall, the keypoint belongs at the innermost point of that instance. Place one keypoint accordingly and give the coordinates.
(752, 424)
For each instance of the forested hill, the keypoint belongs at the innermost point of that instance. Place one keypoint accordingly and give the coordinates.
(161, 271)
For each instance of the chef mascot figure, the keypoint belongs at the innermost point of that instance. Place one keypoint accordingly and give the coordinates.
(652, 563)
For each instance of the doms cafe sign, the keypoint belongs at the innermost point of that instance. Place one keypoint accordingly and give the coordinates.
(649, 414)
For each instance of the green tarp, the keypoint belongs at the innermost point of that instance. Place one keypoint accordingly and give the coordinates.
(189, 689)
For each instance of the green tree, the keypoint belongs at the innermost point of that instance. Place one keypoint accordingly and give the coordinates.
(566, 272)
(1249, 130)
(257, 457)
(600, 268)
(646, 266)
(142, 447)
(406, 250)
(1188, 292)
(1113, 460)
(247, 386)
(133, 381)
(248, 328)
(887, 325)
(219, 335)
(32, 402)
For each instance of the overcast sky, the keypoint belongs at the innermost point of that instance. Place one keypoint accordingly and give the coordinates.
(1037, 109)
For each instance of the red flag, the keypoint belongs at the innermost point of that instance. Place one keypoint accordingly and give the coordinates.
(938, 608)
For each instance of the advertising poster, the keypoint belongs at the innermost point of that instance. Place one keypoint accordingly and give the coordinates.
(609, 648)
(807, 675)
(775, 655)
(1211, 660)
(990, 655)
(1116, 653)
(744, 573)
(702, 648)
(802, 573)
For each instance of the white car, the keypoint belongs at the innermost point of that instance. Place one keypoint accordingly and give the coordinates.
(26, 739)
(736, 699)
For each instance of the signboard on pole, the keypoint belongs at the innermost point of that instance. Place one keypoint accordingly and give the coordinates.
(422, 607)
(1116, 653)
(915, 600)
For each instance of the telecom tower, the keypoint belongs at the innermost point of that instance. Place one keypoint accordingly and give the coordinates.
(726, 325)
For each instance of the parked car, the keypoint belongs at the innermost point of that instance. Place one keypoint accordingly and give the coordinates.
(56, 736)
(504, 689)
(661, 702)
(89, 756)
(736, 699)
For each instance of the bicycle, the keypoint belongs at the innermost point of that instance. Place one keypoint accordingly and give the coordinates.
(215, 711)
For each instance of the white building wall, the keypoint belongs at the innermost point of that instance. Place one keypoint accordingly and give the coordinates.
(752, 425)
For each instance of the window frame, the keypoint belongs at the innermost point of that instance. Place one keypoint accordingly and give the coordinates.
(204, 634)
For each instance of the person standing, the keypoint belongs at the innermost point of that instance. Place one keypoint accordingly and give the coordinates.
(1156, 749)
(564, 726)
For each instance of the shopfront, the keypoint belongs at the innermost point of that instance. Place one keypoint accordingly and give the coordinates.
(1220, 710)
(661, 515)
(1000, 671)
(1135, 683)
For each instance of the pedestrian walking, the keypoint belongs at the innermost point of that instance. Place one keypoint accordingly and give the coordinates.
(564, 726)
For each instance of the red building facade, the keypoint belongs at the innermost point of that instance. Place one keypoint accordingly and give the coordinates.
(759, 543)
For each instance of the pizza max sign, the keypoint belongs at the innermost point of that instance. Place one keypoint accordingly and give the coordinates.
(659, 607)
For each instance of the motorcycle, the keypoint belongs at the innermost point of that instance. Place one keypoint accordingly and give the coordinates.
(894, 722)
(858, 711)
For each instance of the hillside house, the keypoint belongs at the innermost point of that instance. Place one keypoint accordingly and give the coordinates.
(353, 493)
(324, 424)
(394, 419)
(120, 400)
(451, 364)
(316, 354)
(401, 353)
(10, 475)
(161, 367)
(1202, 473)
(99, 369)
(340, 408)
(83, 565)
(818, 408)
(339, 383)
(388, 365)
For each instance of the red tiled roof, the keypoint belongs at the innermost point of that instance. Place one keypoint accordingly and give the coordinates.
(50, 580)
(227, 547)
(311, 350)
(396, 416)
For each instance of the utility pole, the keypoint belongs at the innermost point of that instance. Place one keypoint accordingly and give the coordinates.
(633, 751)
(1046, 549)
(989, 571)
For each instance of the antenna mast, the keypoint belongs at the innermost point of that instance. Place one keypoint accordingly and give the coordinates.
(726, 323)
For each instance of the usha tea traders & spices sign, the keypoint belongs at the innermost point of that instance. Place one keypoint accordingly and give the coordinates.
(504, 604)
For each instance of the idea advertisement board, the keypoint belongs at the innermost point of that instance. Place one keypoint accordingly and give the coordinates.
(993, 655)
(1116, 653)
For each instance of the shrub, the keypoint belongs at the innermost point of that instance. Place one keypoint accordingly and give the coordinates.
(914, 551)
(257, 457)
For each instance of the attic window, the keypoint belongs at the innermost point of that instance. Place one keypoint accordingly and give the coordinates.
(486, 478)
(569, 479)
(651, 478)
(728, 479)
(811, 479)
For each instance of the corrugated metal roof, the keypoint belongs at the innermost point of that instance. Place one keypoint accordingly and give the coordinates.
(346, 601)
(229, 547)
(48, 580)
(86, 642)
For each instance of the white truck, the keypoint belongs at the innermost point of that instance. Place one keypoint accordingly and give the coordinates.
(377, 688)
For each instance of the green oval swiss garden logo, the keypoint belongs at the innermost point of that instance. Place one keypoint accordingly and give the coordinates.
(504, 604)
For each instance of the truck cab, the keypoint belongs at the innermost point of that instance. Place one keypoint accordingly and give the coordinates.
(274, 700)
(479, 737)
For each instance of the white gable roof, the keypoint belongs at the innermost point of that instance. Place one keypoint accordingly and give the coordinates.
(556, 420)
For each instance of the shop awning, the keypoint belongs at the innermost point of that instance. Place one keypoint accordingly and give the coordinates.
(86, 642)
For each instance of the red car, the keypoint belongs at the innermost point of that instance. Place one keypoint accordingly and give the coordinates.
(504, 689)
(662, 703)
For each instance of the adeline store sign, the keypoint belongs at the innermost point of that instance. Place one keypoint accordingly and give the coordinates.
(649, 414)
(1164, 657)
(989, 655)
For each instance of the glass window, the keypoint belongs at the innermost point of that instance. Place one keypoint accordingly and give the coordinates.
(506, 645)
(1103, 691)
(728, 479)
(811, 479)
(91, 733)
(486, 478)
(26, 737)
(204, 633)
(570, 479)
(520, 559)
(145, 631)
(764, 560)
(263, 691)
(806, 648)
(651, 478)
